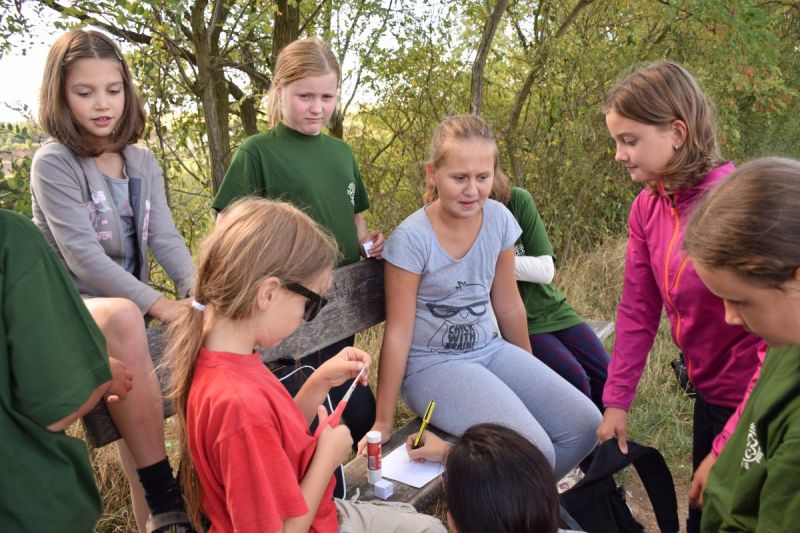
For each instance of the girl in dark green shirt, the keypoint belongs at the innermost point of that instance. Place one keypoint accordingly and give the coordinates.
(559, 337)
(745, 242)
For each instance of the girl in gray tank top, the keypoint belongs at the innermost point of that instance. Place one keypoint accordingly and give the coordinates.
(447, 264)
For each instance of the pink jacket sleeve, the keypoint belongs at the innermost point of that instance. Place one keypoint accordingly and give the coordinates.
(638, 315)
(730, 426)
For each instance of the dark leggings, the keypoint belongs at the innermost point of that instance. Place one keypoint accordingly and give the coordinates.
(578, 356)
(709, 420)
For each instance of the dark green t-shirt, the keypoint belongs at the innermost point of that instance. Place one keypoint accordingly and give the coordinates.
(546, 306)
(52, 356)
(755, 483)
(317, 173)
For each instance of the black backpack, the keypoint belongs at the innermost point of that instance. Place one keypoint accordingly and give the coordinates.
(597, 503)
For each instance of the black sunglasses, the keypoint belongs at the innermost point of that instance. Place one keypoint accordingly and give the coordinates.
(314, 304)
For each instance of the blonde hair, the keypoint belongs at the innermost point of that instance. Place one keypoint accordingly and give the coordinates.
(258, 238)
(657, 95)
(456, 128)
(55, 115)
(750, 223)
(501, 188)
(297, 60)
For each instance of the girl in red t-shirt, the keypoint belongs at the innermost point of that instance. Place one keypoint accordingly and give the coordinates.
(249, 461)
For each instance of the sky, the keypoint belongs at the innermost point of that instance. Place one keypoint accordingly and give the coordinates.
(21, 77)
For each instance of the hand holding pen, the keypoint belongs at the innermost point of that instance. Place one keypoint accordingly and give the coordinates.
(432, 448)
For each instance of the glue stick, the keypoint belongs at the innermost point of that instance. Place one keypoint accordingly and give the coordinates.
(373, 456)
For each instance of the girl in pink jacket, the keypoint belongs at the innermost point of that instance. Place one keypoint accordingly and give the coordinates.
(665, 136)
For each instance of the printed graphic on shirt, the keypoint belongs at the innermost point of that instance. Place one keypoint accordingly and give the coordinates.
(146, 222)
(351, 193)
(97, 207)
(519, 250)
(752, 452)
(461, 312)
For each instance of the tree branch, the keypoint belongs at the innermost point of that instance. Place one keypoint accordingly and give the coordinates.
(478, 66)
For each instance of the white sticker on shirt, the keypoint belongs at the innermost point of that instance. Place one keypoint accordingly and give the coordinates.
(752, 452)
(351, 192)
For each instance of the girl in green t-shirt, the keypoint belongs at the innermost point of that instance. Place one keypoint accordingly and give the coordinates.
(743, 240)
(559, 337)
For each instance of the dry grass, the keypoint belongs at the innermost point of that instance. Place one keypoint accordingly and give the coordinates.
(660, 416)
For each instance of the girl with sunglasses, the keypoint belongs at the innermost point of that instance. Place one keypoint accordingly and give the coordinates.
(249, 461)
(445, 264)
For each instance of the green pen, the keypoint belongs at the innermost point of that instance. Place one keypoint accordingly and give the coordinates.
(425, 420)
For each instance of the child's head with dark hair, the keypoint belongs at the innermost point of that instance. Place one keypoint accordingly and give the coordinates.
(666, 96)
(498, 482)
(69, 52)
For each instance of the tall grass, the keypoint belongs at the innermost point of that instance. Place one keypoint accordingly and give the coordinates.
(660, 416)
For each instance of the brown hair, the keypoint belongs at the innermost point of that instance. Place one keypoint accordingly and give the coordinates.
(750, 223)
(54, 113)
(258, 238)
(501, 188)
(297, 60)
(456, 128)
(657, 95)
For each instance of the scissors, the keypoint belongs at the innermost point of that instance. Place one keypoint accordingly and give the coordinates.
(336, 415)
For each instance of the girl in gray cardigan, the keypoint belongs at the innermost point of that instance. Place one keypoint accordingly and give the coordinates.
(100, 202)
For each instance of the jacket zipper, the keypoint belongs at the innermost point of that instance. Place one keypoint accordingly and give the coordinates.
(667, 286)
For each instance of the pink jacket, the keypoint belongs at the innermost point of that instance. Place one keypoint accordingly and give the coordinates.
(733, 421)
(720, 358)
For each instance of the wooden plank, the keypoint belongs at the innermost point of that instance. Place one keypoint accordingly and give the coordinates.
(602, 328)
(355, 473)
(355, 303)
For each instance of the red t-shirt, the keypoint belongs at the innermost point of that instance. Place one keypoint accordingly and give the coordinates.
(251, 447)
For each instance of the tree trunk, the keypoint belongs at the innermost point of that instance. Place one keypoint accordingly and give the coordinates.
(489, 29)
(287, 26)
(213, 91)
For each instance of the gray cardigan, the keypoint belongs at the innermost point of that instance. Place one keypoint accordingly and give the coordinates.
(73, 207)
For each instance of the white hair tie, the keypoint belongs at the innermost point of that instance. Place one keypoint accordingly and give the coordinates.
(197, 305)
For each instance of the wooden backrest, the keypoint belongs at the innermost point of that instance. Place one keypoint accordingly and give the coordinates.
(355, 303)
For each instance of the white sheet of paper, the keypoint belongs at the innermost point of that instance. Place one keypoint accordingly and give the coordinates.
(398, 467)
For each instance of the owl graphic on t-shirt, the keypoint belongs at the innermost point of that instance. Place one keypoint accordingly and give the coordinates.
(461, 312)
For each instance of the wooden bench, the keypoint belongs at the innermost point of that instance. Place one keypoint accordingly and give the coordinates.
(356, 303)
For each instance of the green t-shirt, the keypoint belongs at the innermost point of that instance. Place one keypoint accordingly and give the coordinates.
(755, 483)
(317, 173)
(52, 356)
(546, 306)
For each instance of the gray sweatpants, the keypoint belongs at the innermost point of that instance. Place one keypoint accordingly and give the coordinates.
(506, 385)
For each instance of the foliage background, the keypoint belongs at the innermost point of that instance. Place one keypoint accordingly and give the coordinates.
(204, 68)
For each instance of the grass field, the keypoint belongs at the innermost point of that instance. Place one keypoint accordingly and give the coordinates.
(660, 416)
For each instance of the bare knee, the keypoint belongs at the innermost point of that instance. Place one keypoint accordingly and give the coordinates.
(122, 325)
